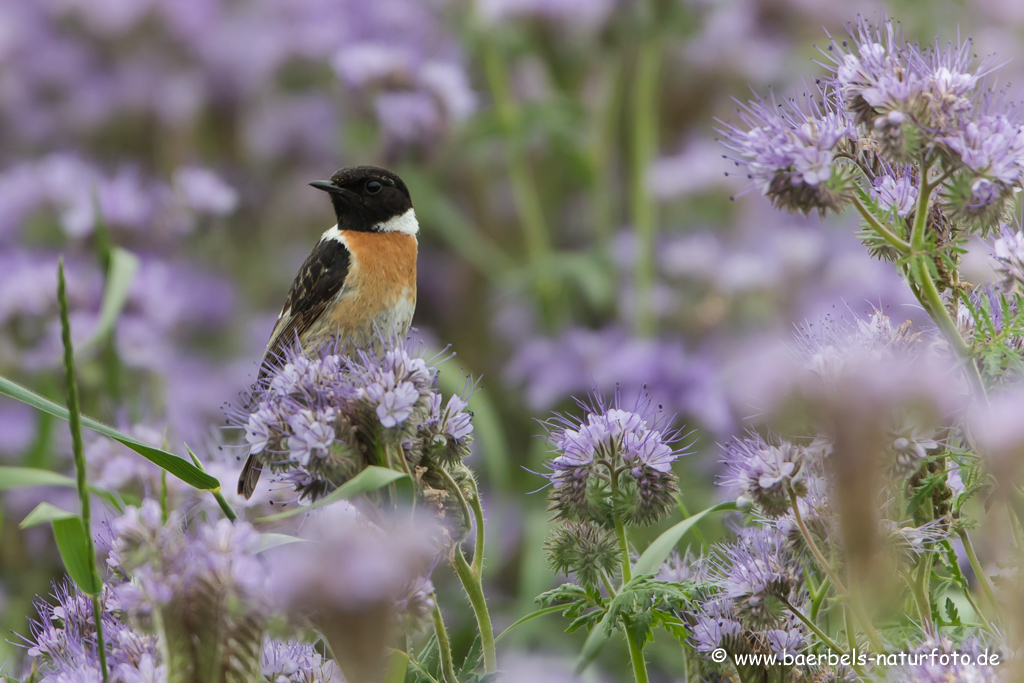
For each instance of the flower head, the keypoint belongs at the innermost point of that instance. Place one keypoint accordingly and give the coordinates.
(613, 458)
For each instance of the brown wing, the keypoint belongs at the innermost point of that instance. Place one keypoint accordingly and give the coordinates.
(320, 278)
(318, 281)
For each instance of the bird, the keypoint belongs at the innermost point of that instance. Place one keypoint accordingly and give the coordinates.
(358, 285)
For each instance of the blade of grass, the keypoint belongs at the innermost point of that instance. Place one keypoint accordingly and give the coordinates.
(179, 467)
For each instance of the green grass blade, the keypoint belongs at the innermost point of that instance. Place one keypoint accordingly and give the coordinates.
(530, 617)
(268, 541)
(370, 479)
(44, 513)
(658, 551)
(120, 273)
(179, 467)
(24, 477)
(73, 544)
(398, 664)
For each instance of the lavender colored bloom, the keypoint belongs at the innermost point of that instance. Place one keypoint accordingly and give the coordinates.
(766, 472)
(295, 662)
(933, 661)
(312, 434)
(204, 191)
(590, 451)
(784, 643)
(758, 573)
(711, 633)
(788, 152)
(1009, 258)
(895, 193)
(992, 146)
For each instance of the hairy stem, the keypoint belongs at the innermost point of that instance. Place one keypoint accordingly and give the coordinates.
(478, 514)
(636, 653)
(972, 557)
(443, 646)
(898, 244)
(475, 592)
(869, 630)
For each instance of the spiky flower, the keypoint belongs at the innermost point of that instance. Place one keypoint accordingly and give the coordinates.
(323, 416)
(759, 574)
(198, 596)
(585, 548)
(788, 152)
(766, 472)
(612, 462)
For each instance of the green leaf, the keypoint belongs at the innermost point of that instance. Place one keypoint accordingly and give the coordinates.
(594, 643)
(44, 513)
(658, 551)
(74, 551)
(179, 467)
(530, 617)
(120, 273)
(268, 541)
(398, 664)
(370, 479)
(23, 477)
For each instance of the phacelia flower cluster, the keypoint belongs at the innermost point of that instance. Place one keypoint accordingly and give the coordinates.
(199, 596)
(885, 103)
(612, 464)
(322, 417)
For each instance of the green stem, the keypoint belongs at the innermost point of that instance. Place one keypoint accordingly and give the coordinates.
(478, 514)
(869, 630)
(961, 580)
(602, 146)
(809, 623)
(920, 589)
(524, 192)
(636, 653)
(851, 632)
(443, 646)
(644, 148)
(217, 495)
(819, 597)
(75, 423)
(986, 587)
(898, 244)
(636, 656)
(475, 593)
(924, 193)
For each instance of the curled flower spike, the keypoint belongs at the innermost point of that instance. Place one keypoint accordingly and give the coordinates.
(788, 151)
(613, 461)
(758, 573)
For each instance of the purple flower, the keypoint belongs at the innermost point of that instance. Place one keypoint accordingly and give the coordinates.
(757, 572)
(765, 472)
(787, 151)
(295, 662)
(895, 193)
(992, 146)
(591, 450)
(1009, 258)
(312, 434)
(204, 191)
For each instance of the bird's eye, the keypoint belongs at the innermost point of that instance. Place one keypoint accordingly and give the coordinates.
(373, 187)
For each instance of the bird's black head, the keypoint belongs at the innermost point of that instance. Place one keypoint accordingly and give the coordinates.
(370, 199)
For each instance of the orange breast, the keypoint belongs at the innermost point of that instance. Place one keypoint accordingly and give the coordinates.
(379, 291)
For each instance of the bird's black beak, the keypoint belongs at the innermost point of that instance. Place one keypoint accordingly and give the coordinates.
(329, 187)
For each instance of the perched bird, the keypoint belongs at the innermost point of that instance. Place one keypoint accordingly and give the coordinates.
(359, 282)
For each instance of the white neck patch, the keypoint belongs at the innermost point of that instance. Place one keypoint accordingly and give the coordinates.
(333, 234)
(406, 223)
